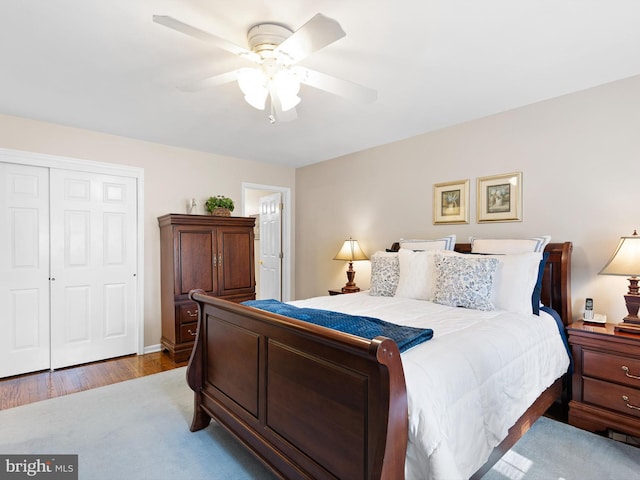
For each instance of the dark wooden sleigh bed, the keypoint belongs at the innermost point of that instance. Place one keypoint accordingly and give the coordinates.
(314, 403)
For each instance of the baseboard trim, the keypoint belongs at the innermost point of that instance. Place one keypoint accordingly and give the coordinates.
(151, 348)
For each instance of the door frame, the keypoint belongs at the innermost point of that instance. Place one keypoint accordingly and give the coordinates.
(91, 166)
(287, 216)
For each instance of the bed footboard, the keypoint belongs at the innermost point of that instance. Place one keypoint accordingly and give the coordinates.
(308, 401)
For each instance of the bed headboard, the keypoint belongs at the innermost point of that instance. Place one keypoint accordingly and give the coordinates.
(556, 281)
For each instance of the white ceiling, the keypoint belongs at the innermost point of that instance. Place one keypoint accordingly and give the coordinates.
(104, 65)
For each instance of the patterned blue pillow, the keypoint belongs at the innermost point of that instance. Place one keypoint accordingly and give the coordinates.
(385, 273)
(464, 281)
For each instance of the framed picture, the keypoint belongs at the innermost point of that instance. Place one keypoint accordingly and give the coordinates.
(451, 202)
(500, 198)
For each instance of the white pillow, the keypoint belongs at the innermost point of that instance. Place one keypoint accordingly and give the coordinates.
(514, 280)
(508, 245)
(417, 273)
(444, 243)
(385, 273)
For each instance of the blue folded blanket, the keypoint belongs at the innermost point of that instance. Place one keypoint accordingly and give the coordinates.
(365, 327)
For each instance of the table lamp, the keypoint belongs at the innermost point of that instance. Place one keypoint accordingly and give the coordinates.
(350, 252)
(626, 261)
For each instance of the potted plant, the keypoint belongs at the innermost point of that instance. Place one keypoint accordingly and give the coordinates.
(220, 206)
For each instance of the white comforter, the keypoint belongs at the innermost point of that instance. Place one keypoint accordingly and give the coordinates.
(469, 384)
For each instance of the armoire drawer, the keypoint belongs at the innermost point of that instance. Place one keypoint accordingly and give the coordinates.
(612, 396)
(187, 312)
(188, 332)
(615, 368)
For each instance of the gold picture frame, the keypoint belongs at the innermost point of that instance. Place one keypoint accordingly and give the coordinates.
(451, 202)
(500, 198)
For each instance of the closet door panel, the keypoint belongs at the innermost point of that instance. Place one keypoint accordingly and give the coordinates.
(24, 269)
(93, 241)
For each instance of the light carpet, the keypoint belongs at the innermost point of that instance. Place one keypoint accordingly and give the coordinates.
(139, 429)
(133, 430)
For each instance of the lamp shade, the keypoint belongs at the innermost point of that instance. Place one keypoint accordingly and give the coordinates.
(350, 252)
(626, 257)
(286, 87)
(258, 83)
(253, 82)
(626, 261)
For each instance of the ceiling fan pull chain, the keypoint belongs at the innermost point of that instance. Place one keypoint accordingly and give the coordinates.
(272, 116)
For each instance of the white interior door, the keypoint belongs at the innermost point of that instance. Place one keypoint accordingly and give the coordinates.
(93, 267)
(271, 246)
(24, 269)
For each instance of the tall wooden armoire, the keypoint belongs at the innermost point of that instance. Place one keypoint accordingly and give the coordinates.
(215, 254)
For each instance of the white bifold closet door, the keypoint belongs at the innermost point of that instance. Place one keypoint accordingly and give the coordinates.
(68, 268)
(24, 269)
(93, 267)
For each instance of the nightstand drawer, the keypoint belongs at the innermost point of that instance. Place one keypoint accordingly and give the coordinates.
(614, 368)
(614, 397)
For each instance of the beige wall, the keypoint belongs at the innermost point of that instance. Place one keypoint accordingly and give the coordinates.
(171, 176)
(580, 158)
(579, 155)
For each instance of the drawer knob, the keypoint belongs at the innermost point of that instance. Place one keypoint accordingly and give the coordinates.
(625, 369)
(193, 334)
(195, 314)
(626, 399)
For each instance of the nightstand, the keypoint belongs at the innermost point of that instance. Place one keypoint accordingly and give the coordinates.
(606, 379)
(338, 292)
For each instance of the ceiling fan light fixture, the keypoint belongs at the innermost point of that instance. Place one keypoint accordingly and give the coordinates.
(286, 87)
(276, 49)
(257, 100)
(288, 102)
(253, 84)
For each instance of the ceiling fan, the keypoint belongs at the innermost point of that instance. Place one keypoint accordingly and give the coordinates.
(276, 51)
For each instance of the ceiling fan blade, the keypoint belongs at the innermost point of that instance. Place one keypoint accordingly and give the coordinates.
(337, 86)
(317, 33)
(194, 32)
(214, 81)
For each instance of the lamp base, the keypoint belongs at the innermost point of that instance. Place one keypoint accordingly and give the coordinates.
(627, 328)
(633, 305)
(351, 286)
(350, 289)
(634, 320)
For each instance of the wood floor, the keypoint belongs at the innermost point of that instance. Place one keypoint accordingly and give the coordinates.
(34, 387)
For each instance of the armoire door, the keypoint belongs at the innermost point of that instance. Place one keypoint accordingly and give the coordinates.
(236, 274)
(197, 260)
(24, 269)
(93, 267)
